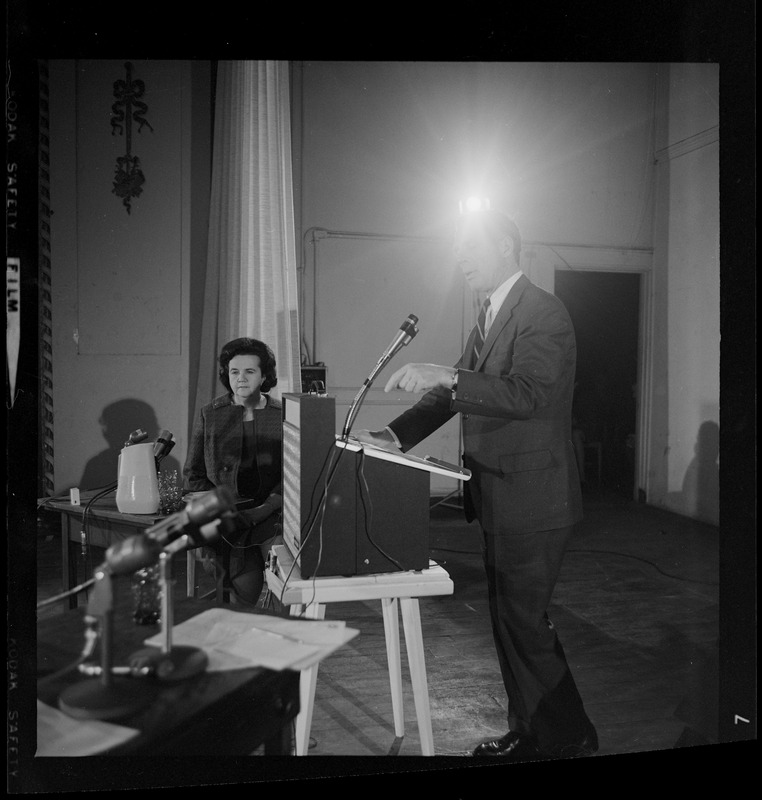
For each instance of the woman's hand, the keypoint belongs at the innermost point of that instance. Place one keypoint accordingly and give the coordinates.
(258, 513)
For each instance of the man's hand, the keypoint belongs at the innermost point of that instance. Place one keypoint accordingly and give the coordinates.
(420, 378)
(381, 439)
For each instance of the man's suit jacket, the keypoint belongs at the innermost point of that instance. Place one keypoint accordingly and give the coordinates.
(515, 403)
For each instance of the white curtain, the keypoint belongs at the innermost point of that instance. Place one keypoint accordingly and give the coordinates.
(251, 284)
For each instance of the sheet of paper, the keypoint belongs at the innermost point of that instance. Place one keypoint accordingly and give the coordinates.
(234, 639)
(322, 632)
(61, 735)
(267, 649)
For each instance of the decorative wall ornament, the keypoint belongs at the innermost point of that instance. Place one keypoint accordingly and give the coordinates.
(129, 178)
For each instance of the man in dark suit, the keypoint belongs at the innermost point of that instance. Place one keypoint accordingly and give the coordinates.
(513, 387)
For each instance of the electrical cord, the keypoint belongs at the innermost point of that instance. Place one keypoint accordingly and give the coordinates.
(333, 465)
(63, 595)
(84, 534)
(369, 516)
(600, 552)
(650, 564)
(330, 470)
(332, 460)
(45, 500)
(102, 491)
(91, 638)
(362, 481)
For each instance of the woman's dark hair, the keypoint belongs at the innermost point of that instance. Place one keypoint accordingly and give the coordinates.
(249, 347)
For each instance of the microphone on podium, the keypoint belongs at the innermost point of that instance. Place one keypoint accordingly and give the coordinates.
(403, 336)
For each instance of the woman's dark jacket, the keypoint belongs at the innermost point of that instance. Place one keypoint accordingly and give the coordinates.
(214, 451)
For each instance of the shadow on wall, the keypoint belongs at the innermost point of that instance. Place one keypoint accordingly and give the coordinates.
(701, 484)
(118, 420)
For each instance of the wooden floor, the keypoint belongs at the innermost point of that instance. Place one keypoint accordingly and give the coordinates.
(636, 608)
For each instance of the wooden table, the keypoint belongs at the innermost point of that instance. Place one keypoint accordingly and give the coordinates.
(104, 525)
(398, 593)
(224, 713)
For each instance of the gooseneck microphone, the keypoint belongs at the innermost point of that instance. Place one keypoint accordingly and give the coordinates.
(403, 336)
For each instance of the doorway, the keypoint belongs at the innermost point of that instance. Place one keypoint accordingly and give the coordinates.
(604, 308)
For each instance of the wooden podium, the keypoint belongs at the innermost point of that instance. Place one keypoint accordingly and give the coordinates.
(351, 509)
(399, 594)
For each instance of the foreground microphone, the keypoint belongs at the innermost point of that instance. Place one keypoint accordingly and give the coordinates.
(406, 332)
(143, 550)
(112, 696)
(163, 444)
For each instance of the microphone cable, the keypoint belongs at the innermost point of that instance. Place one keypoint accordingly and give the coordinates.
(91, 639)
(45, 500)
(63, 595)
(332, 460)
(85, 550)
(362, 481)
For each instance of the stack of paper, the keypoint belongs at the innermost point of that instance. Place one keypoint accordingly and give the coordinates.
(60, 735)
(236, 640)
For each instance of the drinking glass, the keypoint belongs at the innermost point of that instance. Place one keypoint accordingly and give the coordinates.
(146, 595)
(170, 492)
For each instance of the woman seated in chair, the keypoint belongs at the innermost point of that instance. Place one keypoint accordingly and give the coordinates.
(236, 442)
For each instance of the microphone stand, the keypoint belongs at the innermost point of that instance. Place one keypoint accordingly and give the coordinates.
(111, 694)
(360, 396)
(409, 328)
(108, 696)
(169, 663)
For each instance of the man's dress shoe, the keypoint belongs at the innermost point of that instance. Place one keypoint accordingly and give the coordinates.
(513, 747)
(521, 747)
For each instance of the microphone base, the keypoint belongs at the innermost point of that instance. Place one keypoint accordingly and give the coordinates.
(91, 699)
(179, 663)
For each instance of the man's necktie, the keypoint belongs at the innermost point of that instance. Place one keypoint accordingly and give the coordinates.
(481, 323)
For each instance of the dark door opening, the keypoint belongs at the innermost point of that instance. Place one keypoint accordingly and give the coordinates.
(604, 308)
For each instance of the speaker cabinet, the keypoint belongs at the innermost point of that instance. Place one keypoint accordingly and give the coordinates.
(345, 513)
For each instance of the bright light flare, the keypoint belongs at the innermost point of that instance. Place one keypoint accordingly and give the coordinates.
(473, 203)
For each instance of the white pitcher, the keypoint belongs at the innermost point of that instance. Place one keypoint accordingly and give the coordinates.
(137, 491)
